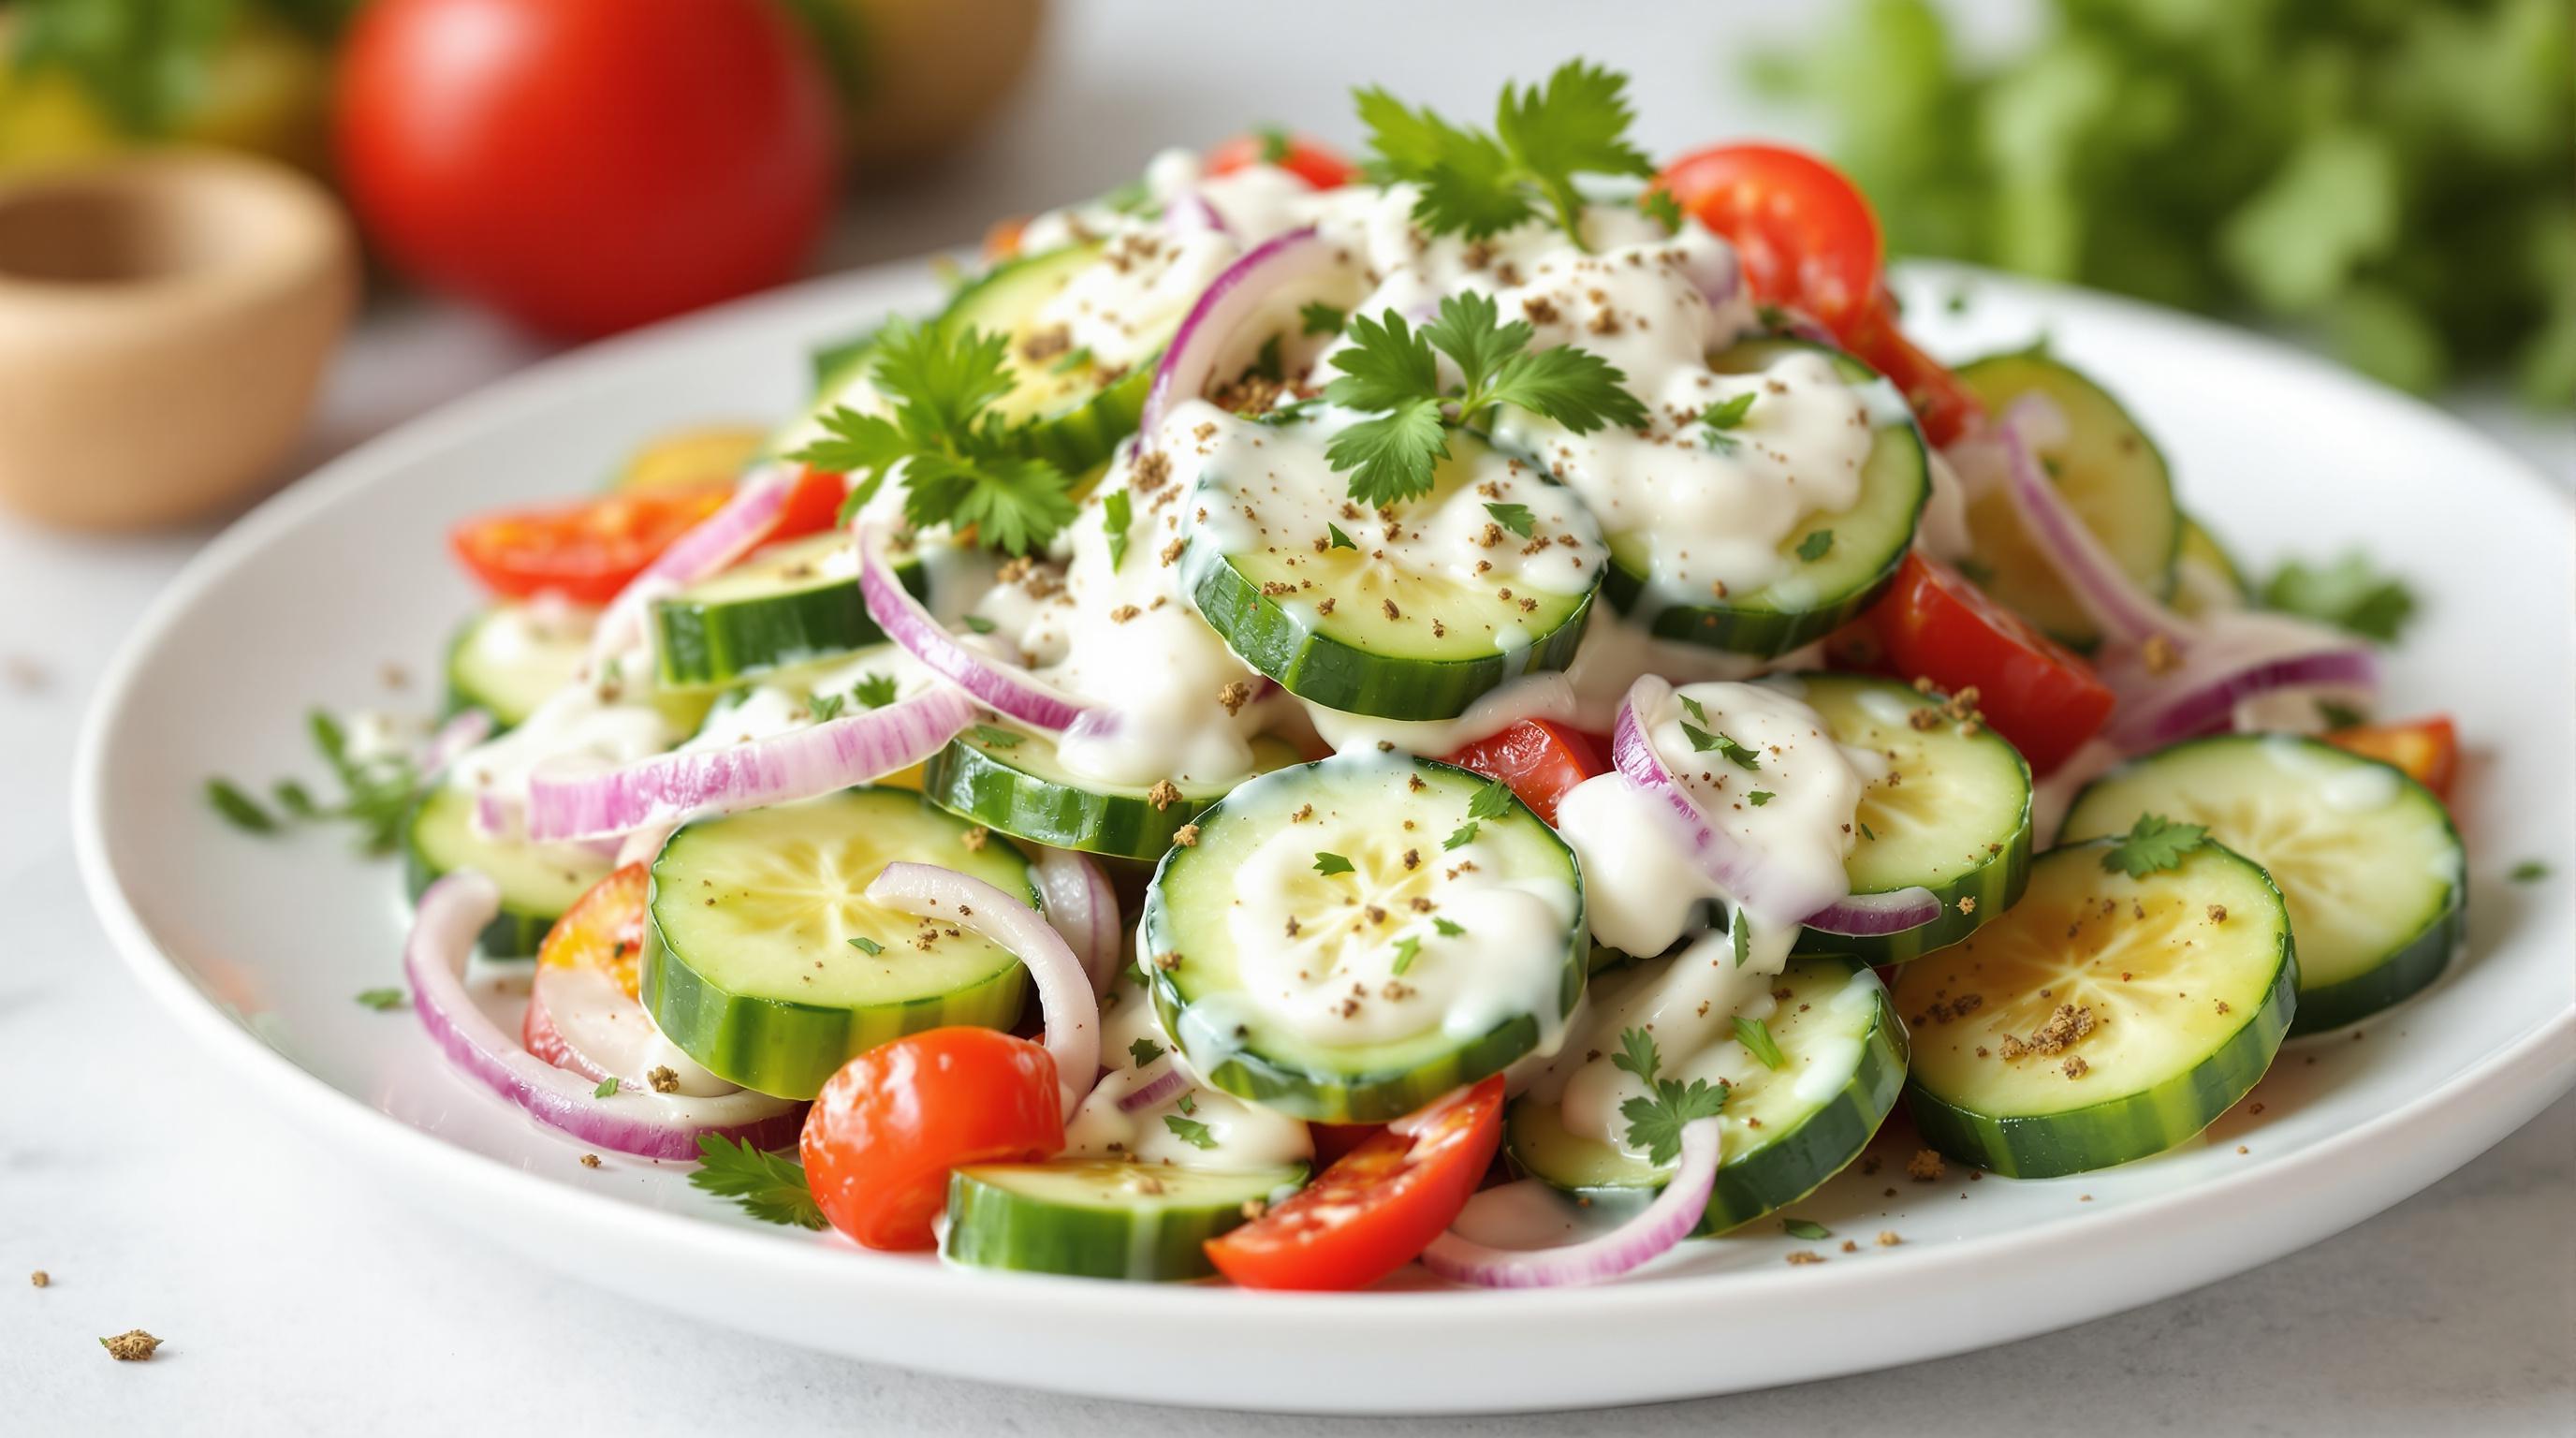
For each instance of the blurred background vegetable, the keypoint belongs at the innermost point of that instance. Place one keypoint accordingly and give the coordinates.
(81, 78)
(2396, 177)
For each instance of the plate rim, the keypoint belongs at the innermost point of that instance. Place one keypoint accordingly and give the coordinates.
(2511, 1082)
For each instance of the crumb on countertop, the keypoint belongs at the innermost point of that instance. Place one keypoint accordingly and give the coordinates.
(132, 1346)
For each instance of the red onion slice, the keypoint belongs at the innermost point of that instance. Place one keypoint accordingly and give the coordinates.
(2201, 696)
(467, 728)
(1871, 915)
(652, 1125)
(1233, 297)
(1082, 907)
(1664, 1223)
(997, 682)
(801, 764)
(1163, 1085)
(1190, 213)
(1064, 990)
(711, 545)
(2128, 615)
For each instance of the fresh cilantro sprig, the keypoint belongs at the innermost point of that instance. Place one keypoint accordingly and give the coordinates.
(1477, 183)
(1390, 371)
(963, 465)
(876, 691)
(2153, 844)
(378, 792)
(1723, 418)
(2348, 594)
(1655, 1121)
(1755, 1035)
(770, 1187)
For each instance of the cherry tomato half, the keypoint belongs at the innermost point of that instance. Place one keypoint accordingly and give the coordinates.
(1934, 624)
(1539, 759)
(812, 505)
(1304, 156)
(2427, 749)
(1378, 1206)
(603, 930)
(887, 1128)
(585, 552)
(1805, 234)
(1944, 404)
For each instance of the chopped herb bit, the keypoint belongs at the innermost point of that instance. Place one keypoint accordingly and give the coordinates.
(1755, 1035)
(2348, 594)
(1320, 318)
(1268, 364)
(770, 1187)
(1144, 1051)
(1514, 517)
(1663, 209)
(1691, 707)
(825, 707)
(1187, 1103)
(1449, 929)
(2335, 714)
(979, 624)
(1330, 864)
(1655, 1120)
(1738, 754)
(1866, 834)
(1817, 544)
(1077, 358)
(1806, 1228)
(1491, 802)
(2529, 871)
(1461, 836)
(382, 999)
(995, 737)
(607, 1088)
(1116, 514)
(1758, 798)
(1339, 540)
(876, 691)
(866, 945)
(1725, 416)
(295, 799)
(237, 808)
(1406, 949)
(2153, 844)
(1740, 936)
(1190, 1131)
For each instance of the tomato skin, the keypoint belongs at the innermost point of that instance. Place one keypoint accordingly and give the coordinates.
(885, 1131)
(1934, 624)
(1946, 407)
(604, 928)
(586, 165)
(1304, 156)
(1378, 1206)
(585, 551)
(1806, 235)
(1539, 758)
(1333, 1140)
(2427, 749)
(813, 504)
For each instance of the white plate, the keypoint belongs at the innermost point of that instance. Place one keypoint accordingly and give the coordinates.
(259, 946)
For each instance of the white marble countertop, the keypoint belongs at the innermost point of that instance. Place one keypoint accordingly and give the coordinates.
(157, 1193)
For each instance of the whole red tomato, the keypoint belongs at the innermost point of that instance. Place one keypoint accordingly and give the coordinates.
(586, 165)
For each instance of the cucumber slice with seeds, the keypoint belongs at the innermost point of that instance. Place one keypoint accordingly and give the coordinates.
(537, 881)
(749, 965)
(2376, 880)
(1102, 1219)
(1784, 1132)
(1010, 781)
(1951, 813)
(1350, 630)
(1323, 951)
(790, 604)
(2105, 1018)
(509, 659)
(1861, 546)
(2112, 477)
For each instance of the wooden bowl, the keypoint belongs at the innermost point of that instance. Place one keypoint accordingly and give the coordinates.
(164, 323)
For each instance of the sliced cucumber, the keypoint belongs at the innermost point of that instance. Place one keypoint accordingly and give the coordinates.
(511, 658)
(2104, 1018)
(2206, 576)
(1342, 627)
(1355, 994)
(1785, 1131)
(2372, 868)
(1076, 411)
(2112, 477)
(537, 881)
(749, 964)
(1009, 780)
(790, 604)
(1950, 813)
(1861, 546)
(1099, 1219)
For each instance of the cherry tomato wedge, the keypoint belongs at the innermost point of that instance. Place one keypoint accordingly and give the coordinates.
(1304, 156)
(1333, 1140)
(813, 504)
(603, 930)
(1944, 405)
(887, 1128)
(585, 552)
(1934, 624)
(1378, 1206)
(1538, 758)
(2427, 749)
(1807, 237)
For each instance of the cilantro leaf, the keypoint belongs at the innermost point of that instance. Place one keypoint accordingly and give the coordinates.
(1806, 1228)
(1704, 741)
(607, 1088)
(237, 808)
(2348, 594)
(1724, 417)
(1190, 1131)
(1817, 544)
(1461, 836)
(1331, 864)
(1117, 513)
(770, 1187)
(1663, 209)
(1739, 935)
(1656, 1119)
(2529, 871)
(295, 799)
(1144, 1051)
(1574, 387)
(1758, 798)
(1692, 707)
(1470, 331)
(2335, 714)
(1339, 539)
(2153, 844)
(1318, 318)
(979, 623)
(1394, 456)
(383, 1000)
(1475, 184)
(876, 691)
(1450, 929)
(866, 945)
(1015, 503)
(1406, 949)
(995, 737)
(1387, 364)
(1491, 802)
(1576, 124)
(1514, 517)
(1755, 1035)
(825, 707)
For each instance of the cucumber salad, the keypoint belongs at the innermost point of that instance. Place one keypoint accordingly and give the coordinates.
(1313, 699)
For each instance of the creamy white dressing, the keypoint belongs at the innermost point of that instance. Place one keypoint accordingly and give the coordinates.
(606, 724)
(1240, 1135)
(609, 1028)
(782, 703)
